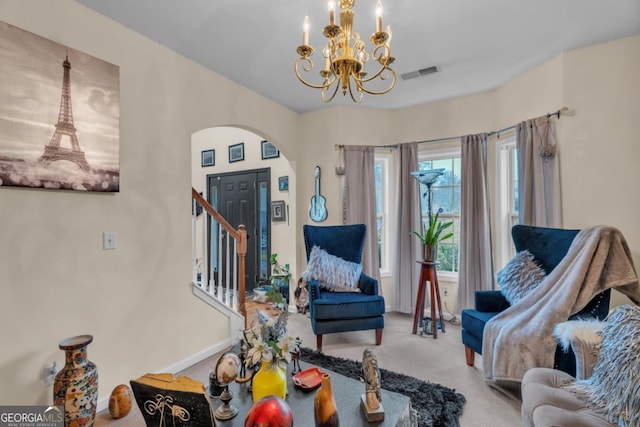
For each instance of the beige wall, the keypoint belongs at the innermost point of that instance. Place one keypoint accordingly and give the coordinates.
(57, 282)
(600, 144)
(55, 278)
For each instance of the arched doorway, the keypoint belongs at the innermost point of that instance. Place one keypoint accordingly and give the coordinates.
(240, 173)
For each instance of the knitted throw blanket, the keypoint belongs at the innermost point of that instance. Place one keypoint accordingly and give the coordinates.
(521, 337)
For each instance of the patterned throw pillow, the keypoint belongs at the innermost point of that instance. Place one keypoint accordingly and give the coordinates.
(519, 277)
(614, 386)
(331, 272)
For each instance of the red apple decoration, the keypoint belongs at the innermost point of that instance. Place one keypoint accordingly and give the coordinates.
(270, 411)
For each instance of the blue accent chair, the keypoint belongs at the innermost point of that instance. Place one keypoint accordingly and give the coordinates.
(548, 246)
(333, 312)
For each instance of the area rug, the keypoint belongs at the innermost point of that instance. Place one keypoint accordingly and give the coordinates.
(436, 405)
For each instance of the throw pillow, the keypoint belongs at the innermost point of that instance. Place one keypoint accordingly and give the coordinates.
(331, 272)
(519, 277)
(614, 386)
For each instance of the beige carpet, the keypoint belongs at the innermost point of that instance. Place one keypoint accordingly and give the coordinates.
(441, 361)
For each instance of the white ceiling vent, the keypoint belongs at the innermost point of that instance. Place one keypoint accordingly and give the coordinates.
(421, 72)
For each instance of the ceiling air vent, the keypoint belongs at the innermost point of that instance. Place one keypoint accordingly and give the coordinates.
(421, 72)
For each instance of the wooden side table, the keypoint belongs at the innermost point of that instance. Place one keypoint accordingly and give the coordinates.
(428, 273)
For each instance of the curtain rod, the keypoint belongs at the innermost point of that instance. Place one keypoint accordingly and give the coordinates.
(564, 110)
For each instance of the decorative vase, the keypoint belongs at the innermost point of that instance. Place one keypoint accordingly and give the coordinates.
(430, 253)
(325, 409)
(271, 379)
(120, 401)
(76, 385)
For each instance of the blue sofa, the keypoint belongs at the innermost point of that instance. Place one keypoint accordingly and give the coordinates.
(548, 246)
(332, 312)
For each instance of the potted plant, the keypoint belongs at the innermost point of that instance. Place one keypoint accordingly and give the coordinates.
(432, 236)
(279, 279)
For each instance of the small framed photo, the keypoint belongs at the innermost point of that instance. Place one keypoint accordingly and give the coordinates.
(278, 211)
(269, 151)
(236, 152)
(208, 158)
(283, 183)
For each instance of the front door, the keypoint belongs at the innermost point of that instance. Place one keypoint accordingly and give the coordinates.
(242, 198)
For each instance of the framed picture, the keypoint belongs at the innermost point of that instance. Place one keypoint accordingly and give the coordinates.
(236, 152)
(283, 183)
(269, 151)
(54, 147)
(208, 158)
(278, 211)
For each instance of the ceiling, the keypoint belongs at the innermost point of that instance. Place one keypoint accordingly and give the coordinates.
(478, 45)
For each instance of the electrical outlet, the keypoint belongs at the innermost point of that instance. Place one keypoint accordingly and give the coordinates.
(446, 291)
(50, 374)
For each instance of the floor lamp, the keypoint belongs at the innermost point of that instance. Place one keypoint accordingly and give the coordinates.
(428, 178)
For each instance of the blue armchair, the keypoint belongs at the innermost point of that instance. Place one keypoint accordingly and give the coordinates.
(548, 246)
(333, 312)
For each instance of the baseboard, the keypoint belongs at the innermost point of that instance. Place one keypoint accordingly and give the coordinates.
(103, 403)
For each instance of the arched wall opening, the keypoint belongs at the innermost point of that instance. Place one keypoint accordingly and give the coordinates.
(232, 150)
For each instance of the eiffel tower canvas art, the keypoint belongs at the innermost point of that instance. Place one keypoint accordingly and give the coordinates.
(44, 141)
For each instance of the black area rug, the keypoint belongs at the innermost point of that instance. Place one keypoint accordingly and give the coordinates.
(436, 405)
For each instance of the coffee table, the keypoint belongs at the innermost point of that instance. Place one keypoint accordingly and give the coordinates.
(347, 391)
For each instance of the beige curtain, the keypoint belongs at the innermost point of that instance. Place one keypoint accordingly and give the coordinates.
(538, 175)
(476, 265)
(406, 272)
(359, 202)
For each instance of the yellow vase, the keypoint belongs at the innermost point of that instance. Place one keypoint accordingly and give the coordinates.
(271, 379)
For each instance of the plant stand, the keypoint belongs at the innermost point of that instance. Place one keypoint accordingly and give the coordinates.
(428, 273)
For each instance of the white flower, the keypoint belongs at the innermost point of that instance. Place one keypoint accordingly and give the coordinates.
(268, 342)
(257, 348)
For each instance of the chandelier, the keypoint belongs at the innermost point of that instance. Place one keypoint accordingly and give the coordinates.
(345, 56)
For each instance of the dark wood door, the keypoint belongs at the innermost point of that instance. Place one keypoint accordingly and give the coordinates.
(242, 198)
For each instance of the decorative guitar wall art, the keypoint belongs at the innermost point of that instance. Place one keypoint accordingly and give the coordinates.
(318, 212)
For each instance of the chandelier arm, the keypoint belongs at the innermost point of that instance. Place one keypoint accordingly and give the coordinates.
(295, 69)
(360, 89)
(383, 67)
(324, 90)
(382, 92)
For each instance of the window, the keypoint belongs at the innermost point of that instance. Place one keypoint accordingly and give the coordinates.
(382, 166)
(507, 198)
(445, 199)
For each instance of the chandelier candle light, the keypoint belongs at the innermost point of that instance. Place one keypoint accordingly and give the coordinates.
(345, 56)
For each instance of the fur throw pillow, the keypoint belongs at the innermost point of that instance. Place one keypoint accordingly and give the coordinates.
(331, 272)
(614, 386)
(519, 277)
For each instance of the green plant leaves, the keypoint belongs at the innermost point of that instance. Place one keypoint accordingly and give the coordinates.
(433, 233)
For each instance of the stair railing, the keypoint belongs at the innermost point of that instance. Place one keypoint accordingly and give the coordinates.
(223, 277)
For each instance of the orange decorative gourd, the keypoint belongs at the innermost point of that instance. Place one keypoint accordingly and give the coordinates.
(120, 401)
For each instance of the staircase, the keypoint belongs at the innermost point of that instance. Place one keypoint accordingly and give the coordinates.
(218, 256)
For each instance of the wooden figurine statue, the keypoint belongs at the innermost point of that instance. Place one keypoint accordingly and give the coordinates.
(371, 375)
(295, 357)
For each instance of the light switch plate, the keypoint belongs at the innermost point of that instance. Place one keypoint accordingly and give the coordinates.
(108, 240)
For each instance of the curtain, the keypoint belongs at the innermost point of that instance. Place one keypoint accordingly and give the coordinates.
(538, 175)
(476, 266)
(406, 272)
(359, 202)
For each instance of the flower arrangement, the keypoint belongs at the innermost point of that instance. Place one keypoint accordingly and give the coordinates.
(268, 342)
